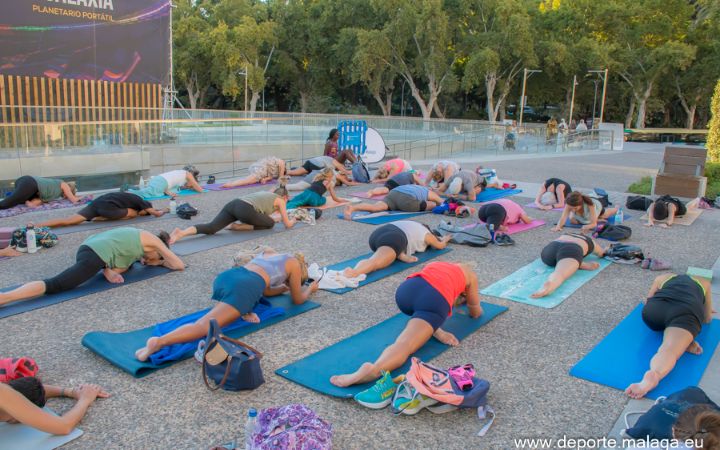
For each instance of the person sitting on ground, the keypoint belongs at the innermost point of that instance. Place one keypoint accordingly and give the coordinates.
(400, 179)
(22, 401)
(464, 185)
(111, 206)
(391, 168)
(566, 255)
(34, 191)
(321, 162)
(112, 252)
(398, 240)
(428, 297)
(169, 183)
(315, 194)
(552, 194)
(667, 208)
(238, 290)
(331, 144)
(502, 213)
(441, 171)
(339, 180)
(409, 198)
(256, 211)
(583, 210)
(677, 305)
(263, 171)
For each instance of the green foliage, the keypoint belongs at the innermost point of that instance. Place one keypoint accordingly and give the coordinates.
(713, 142)
(642, 187)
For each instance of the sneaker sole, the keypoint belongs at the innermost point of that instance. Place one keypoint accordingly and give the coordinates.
(419, 407)
(382, 405)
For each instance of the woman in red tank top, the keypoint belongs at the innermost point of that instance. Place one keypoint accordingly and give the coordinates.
(427, 297)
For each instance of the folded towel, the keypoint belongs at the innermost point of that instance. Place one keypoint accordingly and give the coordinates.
(333, 279)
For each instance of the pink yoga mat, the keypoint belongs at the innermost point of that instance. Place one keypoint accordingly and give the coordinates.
(520, 227)
(534, 206)
(365, 195)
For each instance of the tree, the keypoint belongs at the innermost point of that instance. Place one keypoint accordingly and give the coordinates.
(713, 142)
(191, 50)
(498, 43)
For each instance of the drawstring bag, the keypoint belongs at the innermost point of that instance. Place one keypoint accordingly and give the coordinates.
(360, 172)
(231, 365)
(613, 232)
(14, 368)
(291, 427)
(43, 237)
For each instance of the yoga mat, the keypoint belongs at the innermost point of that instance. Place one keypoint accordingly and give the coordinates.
(202, 242)
(314, 371)
(520, 284)
(55, 204)
(491, 194)
(218, 186)
(395, 267)
(119, 348)
(686, 220)
(326, 206)
(366, 196)
(623, 356)
(534, 206)
(610, 220)
(518, 227)
(100, 224)
(19, 436)
(137, 272)
(182, 193)
(383, 217)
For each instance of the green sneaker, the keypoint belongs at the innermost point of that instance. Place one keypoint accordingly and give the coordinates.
(407, 401)
(378, 396)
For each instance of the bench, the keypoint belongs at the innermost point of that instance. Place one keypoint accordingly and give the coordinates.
(681, 172)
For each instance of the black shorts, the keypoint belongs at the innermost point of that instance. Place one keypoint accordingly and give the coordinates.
(309, 167)
(398, 201)
(418, 299)
(660, 313)
(557, 250)
(391, 184)
(492, 213)
(389, 236)
(87, 264)
(98, 208)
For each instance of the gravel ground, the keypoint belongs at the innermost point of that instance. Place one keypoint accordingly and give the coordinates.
(525, 353)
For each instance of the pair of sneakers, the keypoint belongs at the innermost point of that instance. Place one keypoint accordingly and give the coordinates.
(397, 391)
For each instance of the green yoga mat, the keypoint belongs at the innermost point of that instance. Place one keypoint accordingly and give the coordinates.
(119, 348)
(520, 284)
(314, 371)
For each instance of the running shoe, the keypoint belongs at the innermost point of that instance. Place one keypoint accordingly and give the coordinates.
(407, 401)
(378, 396)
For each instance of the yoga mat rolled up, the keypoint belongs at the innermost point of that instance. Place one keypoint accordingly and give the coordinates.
(623, 357)
(520, 284)
(395, 267)
(119, 348)
(314, 371)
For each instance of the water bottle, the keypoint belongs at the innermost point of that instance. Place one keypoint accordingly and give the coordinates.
(491, 229)
(30, 239)
(173, 206)
(250, 427)
(141, 184)
(619, 216)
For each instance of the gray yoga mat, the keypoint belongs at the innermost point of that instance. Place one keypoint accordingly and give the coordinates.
(98, 225)
(202, 242)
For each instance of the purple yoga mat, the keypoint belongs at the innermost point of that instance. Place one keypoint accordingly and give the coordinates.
(55, 204)
(520, 227)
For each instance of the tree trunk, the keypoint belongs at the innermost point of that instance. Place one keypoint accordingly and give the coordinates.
(379, 100)
(690, 124)
(304, 97)
(388, 102)
(437, 110)
(630, 114)
(642, 106)
(490, 82)
(253, 101)
(424, 107)
(193, 92)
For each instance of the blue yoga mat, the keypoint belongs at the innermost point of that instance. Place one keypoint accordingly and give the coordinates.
(119, 348)
(181, 193)
(393, 268)
(137, 272)
(384, 217)
(491, 194)
(314, 371)
(623, 357)
(520, 284)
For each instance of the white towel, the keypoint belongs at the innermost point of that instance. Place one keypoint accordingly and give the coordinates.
(333, 279)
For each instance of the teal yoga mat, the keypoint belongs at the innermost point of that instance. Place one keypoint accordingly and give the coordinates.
(383, 217)
(314, 371)
(393, 268)
(623, 356)
(119, 348)
(19, 436)
(520, 284)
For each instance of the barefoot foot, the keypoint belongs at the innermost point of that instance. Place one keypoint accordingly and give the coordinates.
(544, 291)
(113, 277)
(446, 338)
(175, 235)
(648, 383)
(694, 348)
(151, 346)
(250, 317)
(364, 374)
(351, 273)
(347, 213)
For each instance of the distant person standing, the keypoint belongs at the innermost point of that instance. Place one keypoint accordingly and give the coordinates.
(552, 128)
(581, 126)
(573, 125)
(331, 145)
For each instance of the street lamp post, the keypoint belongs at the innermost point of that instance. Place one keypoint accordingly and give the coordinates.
(572, 101)
(595, 82)
(603, 74)
(526, 74)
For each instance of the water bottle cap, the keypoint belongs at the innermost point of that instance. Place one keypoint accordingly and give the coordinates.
(252, 412)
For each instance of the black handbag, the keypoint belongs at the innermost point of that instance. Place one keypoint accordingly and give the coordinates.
(231, 365)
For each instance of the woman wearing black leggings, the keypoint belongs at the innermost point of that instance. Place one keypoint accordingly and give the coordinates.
(34, 191)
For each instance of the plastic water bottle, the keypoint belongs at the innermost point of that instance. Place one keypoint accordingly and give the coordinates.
(141, 184)
(250, 427)
(491, 229)
(619, 216)
(30, 239)
(173, 206)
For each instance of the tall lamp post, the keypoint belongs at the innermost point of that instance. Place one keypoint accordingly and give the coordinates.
(526, 74)
(603, 74)
(572, 100)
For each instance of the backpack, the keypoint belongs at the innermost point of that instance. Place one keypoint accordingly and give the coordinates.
(43, 237)
(657, 422)
(360, 172)
(185, 211)
(291, 427)
(625, 253)
(475, 236)
(614, 232)
(14, 368)
(602, 197)
(638, 202)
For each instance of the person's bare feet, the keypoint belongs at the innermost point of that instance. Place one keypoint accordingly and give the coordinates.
(446, 338)
(648, 383)
(347, 212)
(589, 266)
(407, 259)
(241, 227)
(351, 272)
(694, 348)
(544, 291)
(250, 317)
(363, 375)
(176, 235)
(9, 251)
(113, 277)
(151, 346)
